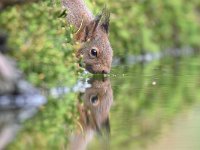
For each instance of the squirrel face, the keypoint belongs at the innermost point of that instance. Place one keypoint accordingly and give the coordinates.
(96, 49)
(97, 54)
(97, 101)
(93, 107)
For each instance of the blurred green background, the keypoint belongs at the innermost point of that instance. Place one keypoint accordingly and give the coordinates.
(140, 26)
(43, 47)
(44, 50)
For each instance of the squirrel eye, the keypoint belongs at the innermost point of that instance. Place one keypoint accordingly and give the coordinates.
(94, 99)
(93, 52)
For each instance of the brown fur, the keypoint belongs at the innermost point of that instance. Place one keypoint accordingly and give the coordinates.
(98, 112)
(93, 33)
(93, 116)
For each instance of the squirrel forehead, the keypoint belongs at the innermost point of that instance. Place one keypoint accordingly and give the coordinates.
(98, 42)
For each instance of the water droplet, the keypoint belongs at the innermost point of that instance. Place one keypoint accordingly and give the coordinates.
(154, 83)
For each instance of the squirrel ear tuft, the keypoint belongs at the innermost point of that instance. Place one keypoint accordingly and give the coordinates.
(106, 125)
(105, 19)
(88, 31)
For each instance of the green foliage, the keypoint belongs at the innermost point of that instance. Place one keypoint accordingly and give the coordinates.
(51, 128)
(41, 42)
(43, 47)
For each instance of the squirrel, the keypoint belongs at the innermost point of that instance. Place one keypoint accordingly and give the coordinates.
(93, 107)
(92, 33)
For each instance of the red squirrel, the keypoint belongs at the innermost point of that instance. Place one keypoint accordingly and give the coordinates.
(93, 107)
(92, 33)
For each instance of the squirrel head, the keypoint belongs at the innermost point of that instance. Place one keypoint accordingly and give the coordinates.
(97, 101)
(93, 106)
(96, 49)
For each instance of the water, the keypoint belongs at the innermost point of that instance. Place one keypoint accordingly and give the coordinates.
(148, 106)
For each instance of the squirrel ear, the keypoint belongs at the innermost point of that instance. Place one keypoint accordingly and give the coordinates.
(105, 19)
(87, 32)
(106, 124)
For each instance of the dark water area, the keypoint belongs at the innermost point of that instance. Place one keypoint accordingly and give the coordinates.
(148, 106)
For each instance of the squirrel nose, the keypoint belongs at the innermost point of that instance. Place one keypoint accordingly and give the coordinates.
(104, 72)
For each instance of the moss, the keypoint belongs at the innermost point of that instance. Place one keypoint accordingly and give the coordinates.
(41, 42)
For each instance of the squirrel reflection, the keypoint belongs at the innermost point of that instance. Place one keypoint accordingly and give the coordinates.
(93, 106)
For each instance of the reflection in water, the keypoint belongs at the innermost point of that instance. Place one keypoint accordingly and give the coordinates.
(18, 100)
(14, 109)
(148, 98)
(93, 106)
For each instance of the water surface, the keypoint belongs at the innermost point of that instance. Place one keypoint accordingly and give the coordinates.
(147, 106)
